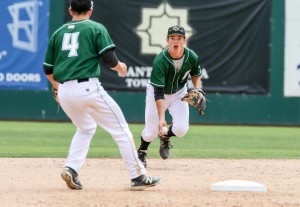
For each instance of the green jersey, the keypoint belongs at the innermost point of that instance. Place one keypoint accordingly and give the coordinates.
(164, 75)
(74, 50)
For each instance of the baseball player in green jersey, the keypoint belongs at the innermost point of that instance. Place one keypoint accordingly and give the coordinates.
(167, 85)
(72, 66)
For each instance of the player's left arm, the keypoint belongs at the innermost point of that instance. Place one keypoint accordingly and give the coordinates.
(197, 82)
(196, 73)
(111, 61)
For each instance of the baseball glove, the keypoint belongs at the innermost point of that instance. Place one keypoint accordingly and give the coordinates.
(196, 99)
(54, 92)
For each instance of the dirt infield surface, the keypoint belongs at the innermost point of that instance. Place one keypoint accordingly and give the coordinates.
(186, 182)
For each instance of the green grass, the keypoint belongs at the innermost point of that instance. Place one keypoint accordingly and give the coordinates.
(43, 139)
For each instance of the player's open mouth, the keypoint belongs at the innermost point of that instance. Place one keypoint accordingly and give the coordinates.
(175, 47)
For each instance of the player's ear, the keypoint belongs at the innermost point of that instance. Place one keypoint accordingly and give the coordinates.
(90, 12)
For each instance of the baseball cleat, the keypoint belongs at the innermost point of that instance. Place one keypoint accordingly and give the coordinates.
(164, 147)
(143, 181)
(71, 178)
(142, 154)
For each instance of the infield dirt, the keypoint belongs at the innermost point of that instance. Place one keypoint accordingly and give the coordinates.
(186, 182)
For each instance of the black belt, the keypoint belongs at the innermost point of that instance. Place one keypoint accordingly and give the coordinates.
(80, 80)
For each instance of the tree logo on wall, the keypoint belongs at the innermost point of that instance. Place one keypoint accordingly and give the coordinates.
(155, 23)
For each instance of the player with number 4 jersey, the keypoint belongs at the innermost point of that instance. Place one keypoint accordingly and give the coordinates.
(72, 66)
(73, 50)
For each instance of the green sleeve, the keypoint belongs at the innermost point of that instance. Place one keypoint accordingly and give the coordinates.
(104, 42)
(157, 77)
(196, 69)
(49, 59)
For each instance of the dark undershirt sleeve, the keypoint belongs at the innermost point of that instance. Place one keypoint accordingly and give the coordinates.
(48, 71)
(158, 93)
(109, 58)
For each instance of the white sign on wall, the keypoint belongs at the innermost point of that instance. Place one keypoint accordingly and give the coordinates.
(155, 21)
(23, 43)
(292, 49)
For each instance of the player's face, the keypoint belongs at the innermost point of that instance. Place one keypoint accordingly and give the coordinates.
(176, 43)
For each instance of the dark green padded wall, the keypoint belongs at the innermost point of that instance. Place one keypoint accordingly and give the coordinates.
(272, 109)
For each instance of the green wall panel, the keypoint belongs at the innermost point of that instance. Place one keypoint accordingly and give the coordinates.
(272, 109)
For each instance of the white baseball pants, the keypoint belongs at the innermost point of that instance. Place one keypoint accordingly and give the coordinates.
(179, 111)
(87, 104)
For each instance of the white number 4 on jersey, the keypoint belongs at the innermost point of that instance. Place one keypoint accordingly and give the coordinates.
(70, 42)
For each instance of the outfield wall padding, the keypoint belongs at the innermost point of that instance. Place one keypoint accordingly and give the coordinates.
(269, 109)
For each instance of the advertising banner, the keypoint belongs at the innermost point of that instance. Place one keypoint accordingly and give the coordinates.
(23, 41)
(292, 49)
(231, 38)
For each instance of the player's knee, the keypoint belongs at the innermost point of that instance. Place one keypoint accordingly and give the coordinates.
(90, 131)
(180, 132)
(149, 136)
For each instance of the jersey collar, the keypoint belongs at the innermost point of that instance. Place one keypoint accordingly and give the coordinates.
(169, 58)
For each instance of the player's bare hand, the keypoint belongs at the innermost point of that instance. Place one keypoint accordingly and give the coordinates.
(162, 124)
(123, 69)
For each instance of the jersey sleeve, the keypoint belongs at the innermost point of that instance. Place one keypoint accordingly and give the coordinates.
(104, 42)
(196, 69)
(157, 78)
(49, 59)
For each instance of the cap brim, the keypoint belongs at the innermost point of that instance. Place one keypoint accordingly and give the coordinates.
(176, 34)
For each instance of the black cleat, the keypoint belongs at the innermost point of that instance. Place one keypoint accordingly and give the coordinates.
(142, 154)
(143, 181)
(71, 178)
(164, 147)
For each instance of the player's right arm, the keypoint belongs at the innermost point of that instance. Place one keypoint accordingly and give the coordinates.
(52, 81)
(160, 105)
(48, 65)
(157, 80)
